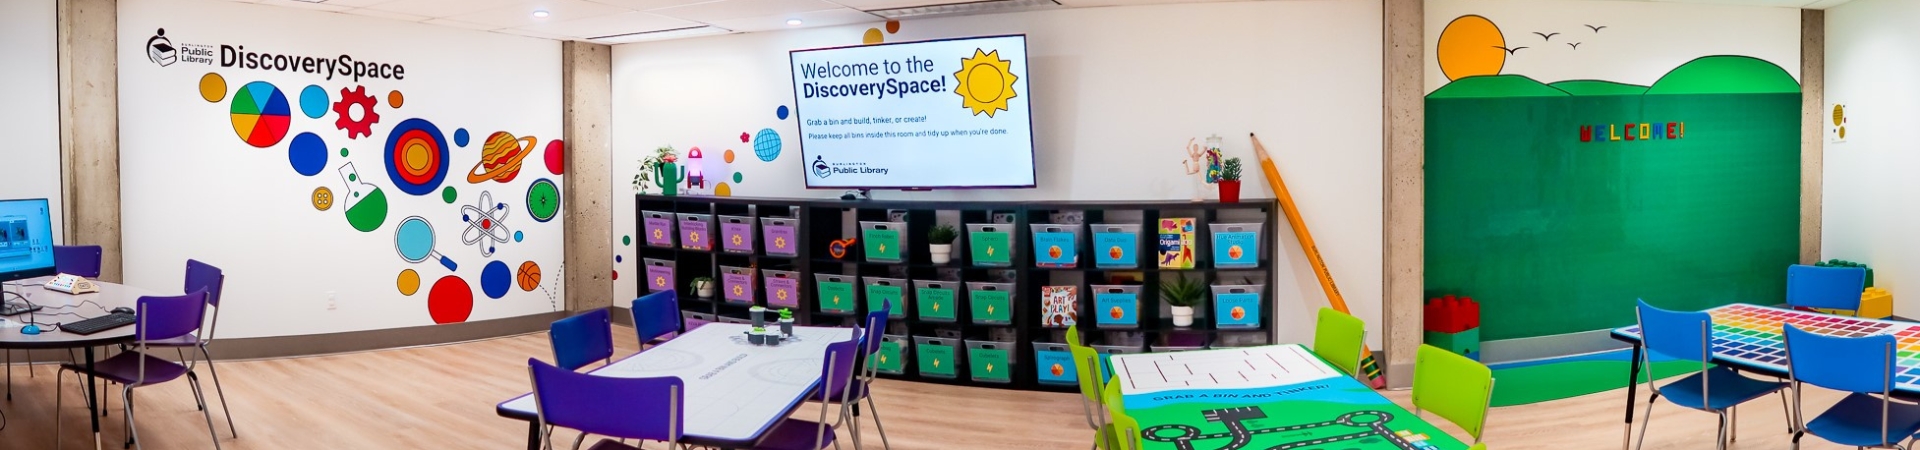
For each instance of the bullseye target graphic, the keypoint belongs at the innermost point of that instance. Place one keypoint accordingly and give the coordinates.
(416, 156)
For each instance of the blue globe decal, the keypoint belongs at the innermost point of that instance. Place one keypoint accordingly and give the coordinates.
(766, 144)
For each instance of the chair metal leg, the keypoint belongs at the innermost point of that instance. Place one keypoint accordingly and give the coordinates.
(126, 399)
(875, 412)
(10, 375)
(217, 390)
(1644, 420)
(1733, 424)
(1792, 422)
(846, 415)
(59, 387)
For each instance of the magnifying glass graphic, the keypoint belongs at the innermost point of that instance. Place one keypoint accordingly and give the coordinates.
(414, 240)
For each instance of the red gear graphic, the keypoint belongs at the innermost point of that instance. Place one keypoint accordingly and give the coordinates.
(349, 98)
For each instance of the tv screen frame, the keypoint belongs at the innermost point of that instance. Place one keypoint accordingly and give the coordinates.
(33, 272)
(1033, 151)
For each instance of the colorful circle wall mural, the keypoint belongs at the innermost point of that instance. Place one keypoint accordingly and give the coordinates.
(495, 279)
(307, 154)
(260, 114)
(409, 282)
(543, 200)
(529, 276)
(213, 87)
(416, 156)
(500, 158)
(314, 101)
(450, 300)
(556, 157)
(766, 144)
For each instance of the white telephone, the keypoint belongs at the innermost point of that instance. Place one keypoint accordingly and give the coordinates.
(72, 284)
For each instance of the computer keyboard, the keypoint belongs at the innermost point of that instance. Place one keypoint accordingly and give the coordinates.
(98, 324)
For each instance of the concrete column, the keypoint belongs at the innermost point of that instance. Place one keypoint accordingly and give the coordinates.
(90, 127)
(587, 77)
(1405, 114)
(1813, 118)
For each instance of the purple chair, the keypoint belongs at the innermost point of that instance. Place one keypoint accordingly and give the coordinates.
(160, 318)
(203, 276)
(656, 317)
(870, 340)
(82, 260)
(582, 339)
(628, 408)
(836, 375)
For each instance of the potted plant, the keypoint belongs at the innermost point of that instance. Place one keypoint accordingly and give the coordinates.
(940, 243)
(703, 287)
(1181, 293)
(786, 322)
(758, 336)
(1230, 181)
(655, 169)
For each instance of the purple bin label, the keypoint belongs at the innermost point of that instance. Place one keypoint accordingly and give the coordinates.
(739, 287)
(694, 235)
(659, 278)
(780, 240)
(783, 292)
(659, 231)
(738, 237)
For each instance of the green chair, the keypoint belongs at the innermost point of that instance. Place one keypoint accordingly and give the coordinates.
(1479, 446)
(1086, 366)
(1454, 387)
(1124, 432)
(1340, 338)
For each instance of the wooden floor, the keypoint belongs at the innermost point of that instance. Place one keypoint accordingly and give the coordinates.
(443, 397)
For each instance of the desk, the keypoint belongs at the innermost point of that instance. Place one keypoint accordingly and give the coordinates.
(64, 308)
(1748, 338)
(1272, 397)
(735, 391)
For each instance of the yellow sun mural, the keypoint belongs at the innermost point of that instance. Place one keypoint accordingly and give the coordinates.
(986, 82)
(1470, 46)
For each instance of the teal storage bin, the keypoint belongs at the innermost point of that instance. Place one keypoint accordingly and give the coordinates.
(1237, 306)
(1054, 364)
(1116, 306)
(1116, 246)
(1236, 245)
(1056, 245)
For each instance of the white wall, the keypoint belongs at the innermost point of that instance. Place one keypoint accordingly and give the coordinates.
(30, 166)
(1867, 180)
(191, 188)
(1117, 93)
(1641, 41)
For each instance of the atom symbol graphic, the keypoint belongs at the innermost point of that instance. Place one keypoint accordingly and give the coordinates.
(486, 224)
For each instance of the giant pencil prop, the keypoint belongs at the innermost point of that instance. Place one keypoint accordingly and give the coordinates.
(1367, 364)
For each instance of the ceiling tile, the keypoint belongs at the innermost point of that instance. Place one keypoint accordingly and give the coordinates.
(827, 18)
(712, 12)
(329, 6)
(642, 5)
(869, 5)
(534, 34)
(521, 15)
(446, 8)
(632, 22)
(459, 24)
(356, 3)
(385, 14)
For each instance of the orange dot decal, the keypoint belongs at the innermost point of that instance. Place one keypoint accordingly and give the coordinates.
(872, 36)
(394, 99)
(1239, 313)
(1116, 312)
(728, 156)
(1235, 252)
(1115, 252)
(1053, 252)
(893, 26)
(1057, 370)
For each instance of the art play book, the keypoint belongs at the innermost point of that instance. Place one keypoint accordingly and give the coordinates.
(1176, 243)
(1059, 306)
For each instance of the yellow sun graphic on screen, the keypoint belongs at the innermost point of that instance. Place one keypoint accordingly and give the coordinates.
(986, 82)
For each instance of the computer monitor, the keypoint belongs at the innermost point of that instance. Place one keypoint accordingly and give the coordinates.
(26, 239)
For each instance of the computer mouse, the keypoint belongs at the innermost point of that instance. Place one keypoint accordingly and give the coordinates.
(122, 310)
(30, 329)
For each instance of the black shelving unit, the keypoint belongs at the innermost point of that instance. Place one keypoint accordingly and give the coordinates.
(822, 221)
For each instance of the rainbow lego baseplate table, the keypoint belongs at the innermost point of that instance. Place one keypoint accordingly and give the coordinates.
(1749, 337)
(1262, 398)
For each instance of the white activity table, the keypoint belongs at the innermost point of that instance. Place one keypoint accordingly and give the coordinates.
(736, 391)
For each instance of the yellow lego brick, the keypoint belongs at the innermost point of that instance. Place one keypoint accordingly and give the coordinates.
(1876, 303)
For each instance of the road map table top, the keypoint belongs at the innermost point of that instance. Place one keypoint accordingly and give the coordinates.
(1749, 336)
(735, 390)
(1263, 398)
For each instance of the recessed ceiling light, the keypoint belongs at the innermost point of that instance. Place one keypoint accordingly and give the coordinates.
(793, 21)
(541, 14)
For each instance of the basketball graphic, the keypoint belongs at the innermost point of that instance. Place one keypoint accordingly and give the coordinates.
(1235, 252)
(1057, 370)
(1238, 313)
(529, 276)
(1116, 312)
(1115, 252)
(1053, 252)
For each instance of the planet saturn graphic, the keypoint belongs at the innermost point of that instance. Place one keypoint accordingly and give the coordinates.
(500, 158)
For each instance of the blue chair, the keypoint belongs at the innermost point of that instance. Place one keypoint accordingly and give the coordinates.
(159, 319)
(582, 339)
(835, 376)
(1688, 336)
(1862, 366)
(656, 317)
(205, 276)
(82, 260)
(626, 408)
(1825, 287)
(870, 338)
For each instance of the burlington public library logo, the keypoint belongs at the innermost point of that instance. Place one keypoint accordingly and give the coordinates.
(820, 167)
(160, 49)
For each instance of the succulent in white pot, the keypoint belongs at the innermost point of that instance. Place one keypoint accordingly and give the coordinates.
(1181, 293)
(940, 243)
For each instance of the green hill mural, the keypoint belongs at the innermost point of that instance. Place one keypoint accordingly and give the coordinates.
(1557, 205)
